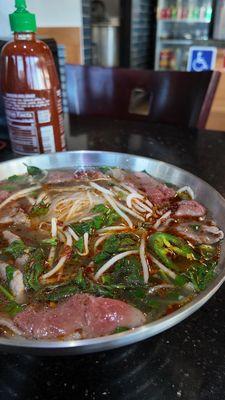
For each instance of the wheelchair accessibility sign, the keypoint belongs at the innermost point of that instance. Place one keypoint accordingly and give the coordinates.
(201, 58)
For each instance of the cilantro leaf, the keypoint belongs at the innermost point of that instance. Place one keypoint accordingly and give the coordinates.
(50, 242)
(116, 244)
(80, 245)
(16, 249)
(34, 269)
(40, 209)
(33, 171)
(17, 178)
(9, 273)
(12, 308)
(201, 274)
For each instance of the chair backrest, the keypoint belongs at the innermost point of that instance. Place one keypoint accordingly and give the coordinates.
(179, 98)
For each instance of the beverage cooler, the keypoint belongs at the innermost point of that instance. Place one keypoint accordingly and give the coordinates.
(181, 24)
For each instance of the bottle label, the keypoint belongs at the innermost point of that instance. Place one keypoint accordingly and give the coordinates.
(35, 122)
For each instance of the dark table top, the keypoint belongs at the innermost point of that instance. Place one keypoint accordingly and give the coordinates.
(187, 361)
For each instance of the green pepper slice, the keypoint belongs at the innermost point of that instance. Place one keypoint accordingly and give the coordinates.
(166, 246)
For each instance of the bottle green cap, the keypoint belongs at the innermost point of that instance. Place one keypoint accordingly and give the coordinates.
(22, 20)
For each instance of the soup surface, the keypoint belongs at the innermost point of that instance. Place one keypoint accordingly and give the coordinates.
(97, 251)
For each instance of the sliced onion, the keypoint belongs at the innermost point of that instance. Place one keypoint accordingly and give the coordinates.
(161, 219)
(187, 189)
(117, 209)
(18, 195)
(112, 261)
(144, 262)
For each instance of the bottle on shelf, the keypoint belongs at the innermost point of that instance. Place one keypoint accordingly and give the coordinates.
(179, 9)
(31, 89)
(196, 13)
(208, 13)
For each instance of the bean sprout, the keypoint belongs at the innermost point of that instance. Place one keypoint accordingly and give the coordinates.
(112, 261)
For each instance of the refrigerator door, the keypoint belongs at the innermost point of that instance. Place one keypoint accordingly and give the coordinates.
(219, 23)
(180, 24)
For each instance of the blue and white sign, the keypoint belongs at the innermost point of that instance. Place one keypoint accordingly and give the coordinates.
(201, 58)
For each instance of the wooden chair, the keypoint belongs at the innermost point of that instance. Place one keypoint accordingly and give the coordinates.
(178, 98)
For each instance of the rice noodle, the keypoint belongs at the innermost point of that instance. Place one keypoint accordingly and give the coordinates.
(120, 190)
(131, 212)
(161, 219)
(31, 200)
(144, 262)
(148, 202)
(142, 205)
(138, 208)
(68, 189)
(148, 215)
(90, 198)
(128, 188)
(118, 210)
(41, 197)
(131, 197)
(18, 195)
(10, 325)
(187, 189)
(101, 189)
(163, 267)
(112, 261)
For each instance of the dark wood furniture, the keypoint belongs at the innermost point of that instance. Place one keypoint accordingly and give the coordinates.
(178, 98)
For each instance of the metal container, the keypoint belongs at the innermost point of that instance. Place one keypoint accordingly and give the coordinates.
(105, 45)
(169, 173)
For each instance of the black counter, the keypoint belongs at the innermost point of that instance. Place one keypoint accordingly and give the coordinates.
(186, 362)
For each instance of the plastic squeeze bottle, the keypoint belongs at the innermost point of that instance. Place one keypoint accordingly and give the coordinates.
(31, 89)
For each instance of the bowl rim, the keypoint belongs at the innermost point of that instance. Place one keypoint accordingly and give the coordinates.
(136, 334)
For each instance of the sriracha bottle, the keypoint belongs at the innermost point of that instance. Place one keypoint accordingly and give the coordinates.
(31, 89)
